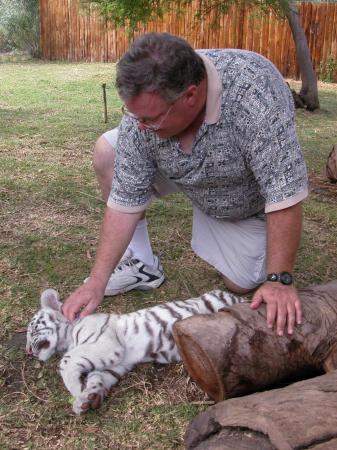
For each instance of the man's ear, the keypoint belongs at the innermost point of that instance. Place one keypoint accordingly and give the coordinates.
(51, 299)
(191, 95)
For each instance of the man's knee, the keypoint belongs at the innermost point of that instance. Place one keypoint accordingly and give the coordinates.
(103, 156)
(103, 162)
(234, 287)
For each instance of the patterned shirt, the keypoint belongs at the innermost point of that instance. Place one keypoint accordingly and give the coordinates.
(245, 159)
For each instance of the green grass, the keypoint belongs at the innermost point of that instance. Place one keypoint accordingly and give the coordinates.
(317, 130)
(50, 213)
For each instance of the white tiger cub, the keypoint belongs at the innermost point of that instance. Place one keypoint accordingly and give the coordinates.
(101, 348)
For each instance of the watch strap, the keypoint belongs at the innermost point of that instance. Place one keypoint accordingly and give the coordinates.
(282, 277)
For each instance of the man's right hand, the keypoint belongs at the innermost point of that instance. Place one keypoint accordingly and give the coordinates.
(84, 300)
(116, 232)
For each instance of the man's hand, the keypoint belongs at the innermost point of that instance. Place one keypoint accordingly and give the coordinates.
(116, 232)
(283, 305)
(84, 300)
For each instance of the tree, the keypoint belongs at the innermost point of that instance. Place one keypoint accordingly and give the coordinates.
(130, 13)
(309, 90)
(19, 25)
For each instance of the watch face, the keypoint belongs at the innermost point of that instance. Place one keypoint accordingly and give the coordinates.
(286, 278)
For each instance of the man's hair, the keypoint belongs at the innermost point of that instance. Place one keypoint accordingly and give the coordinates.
(161, 63)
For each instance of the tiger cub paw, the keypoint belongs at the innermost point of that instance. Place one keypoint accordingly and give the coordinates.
(90, 398)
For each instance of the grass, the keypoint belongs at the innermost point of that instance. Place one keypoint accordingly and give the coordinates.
(50, 212)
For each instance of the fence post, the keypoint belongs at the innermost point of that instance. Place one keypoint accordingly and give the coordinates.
(104, 103)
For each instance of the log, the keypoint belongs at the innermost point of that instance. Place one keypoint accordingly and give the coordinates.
(331, 165)
(300, 416)
(232, 352)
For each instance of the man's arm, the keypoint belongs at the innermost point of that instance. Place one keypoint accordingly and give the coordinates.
(283, 238)
(116, 232)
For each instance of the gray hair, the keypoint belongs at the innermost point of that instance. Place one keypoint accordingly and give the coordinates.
(161, 63)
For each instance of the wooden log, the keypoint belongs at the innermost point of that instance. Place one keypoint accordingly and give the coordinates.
(300, 416)
(331, 165)
(232, 352)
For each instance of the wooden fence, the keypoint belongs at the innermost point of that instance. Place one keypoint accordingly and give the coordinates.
(68, 33)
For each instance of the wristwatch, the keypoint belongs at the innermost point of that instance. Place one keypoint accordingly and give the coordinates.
(283, 277)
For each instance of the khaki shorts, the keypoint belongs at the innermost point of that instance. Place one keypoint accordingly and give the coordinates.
(236, 248)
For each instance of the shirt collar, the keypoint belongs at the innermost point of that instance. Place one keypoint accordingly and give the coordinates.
(214, 91)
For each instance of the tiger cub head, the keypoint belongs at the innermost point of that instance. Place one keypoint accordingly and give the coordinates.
(42, 331)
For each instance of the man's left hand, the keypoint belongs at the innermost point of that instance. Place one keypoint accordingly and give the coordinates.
(283, 305)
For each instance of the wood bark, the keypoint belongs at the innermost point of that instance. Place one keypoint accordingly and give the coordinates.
(232, 352)
(300, 416)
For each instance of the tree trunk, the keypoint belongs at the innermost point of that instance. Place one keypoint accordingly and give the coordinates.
(300, 416)
(309, 91)
(233, 352)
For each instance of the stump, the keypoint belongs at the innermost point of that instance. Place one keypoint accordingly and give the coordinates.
(232, 352)
(331, 165)
(300, 416)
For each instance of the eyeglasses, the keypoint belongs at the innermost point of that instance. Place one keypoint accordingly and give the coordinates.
(147, 124)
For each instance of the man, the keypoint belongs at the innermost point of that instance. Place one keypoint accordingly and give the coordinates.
(219, 126)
